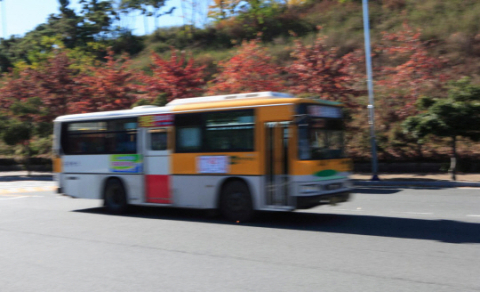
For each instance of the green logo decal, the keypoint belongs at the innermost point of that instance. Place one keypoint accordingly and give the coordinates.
(325, 173)
(328, 174)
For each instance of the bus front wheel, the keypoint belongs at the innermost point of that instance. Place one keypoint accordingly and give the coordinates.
(236, 202)
(115, 197)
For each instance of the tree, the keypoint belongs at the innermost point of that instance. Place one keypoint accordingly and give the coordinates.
(145, 7)
(82, 33)
(67, 24)
(97, 17)
(54, 81)
(411, 70)
(194, 11)
(176, 77)
(458, 115)
(156, 6)
(33, 97)
(57, 86)
(23, 125)
(108, 86)
(319, 70)
(404, 70)
(223, 9)
(250, 17)
(17, 87)
(255, 14)
(251, 69)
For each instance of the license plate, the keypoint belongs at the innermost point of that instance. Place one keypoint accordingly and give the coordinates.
(333, 186)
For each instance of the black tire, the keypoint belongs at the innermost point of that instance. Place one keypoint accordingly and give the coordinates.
(236, 202)
(115, 197)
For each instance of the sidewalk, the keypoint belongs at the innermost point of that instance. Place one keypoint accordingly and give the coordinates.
(441, 180)
(22, 175)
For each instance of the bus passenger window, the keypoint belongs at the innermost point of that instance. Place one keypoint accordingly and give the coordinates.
(158, 139)
(189, 138)
(229, 131)
(117, 136)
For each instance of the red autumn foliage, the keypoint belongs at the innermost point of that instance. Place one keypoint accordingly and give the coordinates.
(54, 83)
(57, 85)
(250, 70)
(176, 77)
(15, 87)
(319, 70)
(109, 86)
(413, 73)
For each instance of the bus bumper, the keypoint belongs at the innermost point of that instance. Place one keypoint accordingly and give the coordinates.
(306, 202)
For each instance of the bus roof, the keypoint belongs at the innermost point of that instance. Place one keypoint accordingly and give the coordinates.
(243, 96)
(242, 100)
(136, 111)
(200, 103)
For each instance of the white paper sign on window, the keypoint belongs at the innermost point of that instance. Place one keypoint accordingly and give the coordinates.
(213, 164)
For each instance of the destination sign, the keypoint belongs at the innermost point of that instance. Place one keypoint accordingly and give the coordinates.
(160, 120)
(321, 111)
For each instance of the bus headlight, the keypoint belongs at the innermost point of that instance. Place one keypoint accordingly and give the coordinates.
(310, 188)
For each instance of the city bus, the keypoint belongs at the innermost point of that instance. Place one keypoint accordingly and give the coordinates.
(234, 153)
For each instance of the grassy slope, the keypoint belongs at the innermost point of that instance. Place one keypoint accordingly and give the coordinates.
(451, 24)
(452, 27)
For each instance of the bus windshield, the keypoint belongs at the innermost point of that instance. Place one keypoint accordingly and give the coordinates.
(321, 139)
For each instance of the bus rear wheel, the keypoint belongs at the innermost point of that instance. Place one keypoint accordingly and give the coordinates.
(115, 197)
(236, 202)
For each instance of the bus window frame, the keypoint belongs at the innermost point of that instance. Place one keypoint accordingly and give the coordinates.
(65, 134)
(201, 123)
(149, 139)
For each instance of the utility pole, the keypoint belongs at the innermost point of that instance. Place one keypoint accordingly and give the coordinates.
(371, 107)
(4, 20)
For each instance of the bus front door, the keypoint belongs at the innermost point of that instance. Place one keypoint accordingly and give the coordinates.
(276, 172)
(157, 166)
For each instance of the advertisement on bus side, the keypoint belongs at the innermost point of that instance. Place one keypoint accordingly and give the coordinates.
(126, 163)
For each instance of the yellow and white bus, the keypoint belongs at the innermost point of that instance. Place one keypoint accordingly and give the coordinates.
(237, 153)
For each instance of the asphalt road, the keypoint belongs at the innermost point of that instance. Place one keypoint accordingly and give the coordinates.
(383, 240)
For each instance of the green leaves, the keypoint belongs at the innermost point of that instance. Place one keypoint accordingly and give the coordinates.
(31, 106)
(17, 132)
(456, 115)
(424, 102)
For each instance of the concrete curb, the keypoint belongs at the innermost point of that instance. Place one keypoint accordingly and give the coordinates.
(26, 178)
(356, 182)
(436, 184)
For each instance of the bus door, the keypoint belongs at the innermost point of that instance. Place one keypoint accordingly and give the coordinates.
(277, 168)
(157, 165)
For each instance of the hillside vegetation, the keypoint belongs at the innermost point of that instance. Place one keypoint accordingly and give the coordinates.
(82, 61)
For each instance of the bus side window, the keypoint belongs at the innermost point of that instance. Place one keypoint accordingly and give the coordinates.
(189, 138)
(118, 136)
(188, 133)
(158, 139)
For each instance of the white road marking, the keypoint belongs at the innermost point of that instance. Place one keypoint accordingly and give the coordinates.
(414, 213)
(13, 198)
(26, 190)
(350, 210)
